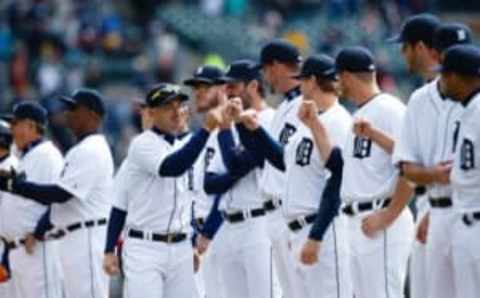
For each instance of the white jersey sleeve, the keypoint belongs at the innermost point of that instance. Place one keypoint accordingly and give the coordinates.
(145, 153)
(120, 189)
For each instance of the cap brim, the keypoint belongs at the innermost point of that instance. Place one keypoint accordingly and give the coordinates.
(395, 39)
(7, 118)
(198, 81)
(299, 76)
(68, 101)
(181, 96)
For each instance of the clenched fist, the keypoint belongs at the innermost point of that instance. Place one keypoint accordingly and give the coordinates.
(249, 118)
(111, 264)
(308, 112)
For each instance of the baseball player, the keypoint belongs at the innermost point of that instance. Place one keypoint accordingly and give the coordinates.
(209, 93)
(318, 241)
(80, 198)
(371, 187)
(111, 262)
(245, 265)
(280, 61)
(157, 256)
(424, 149)
(7, 161)
(460, 81)
(41, 162)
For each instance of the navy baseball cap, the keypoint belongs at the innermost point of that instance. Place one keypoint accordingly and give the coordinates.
(451, 34)
(88, 98)
(355, 59)
(280, 51)
(206, 74)
(420, 27)
(164, 93)
(30, 110)
(321, 66)
(241, 71)
(462, 59)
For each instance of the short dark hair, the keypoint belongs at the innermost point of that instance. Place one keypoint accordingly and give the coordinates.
(326, 85)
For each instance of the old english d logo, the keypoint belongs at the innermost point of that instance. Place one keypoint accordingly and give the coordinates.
(362, 147)
(287, 131)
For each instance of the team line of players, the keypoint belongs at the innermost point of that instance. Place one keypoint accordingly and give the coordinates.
(302, 201)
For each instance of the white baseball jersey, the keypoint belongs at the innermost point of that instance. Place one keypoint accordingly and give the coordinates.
(41, 163)
(283, 126)
(153, 203)
(244, 194)
(306, 174)
(87, 175)
(202, 201)
(429, 132)
(368, 172)
(6, 163)
(465, 176)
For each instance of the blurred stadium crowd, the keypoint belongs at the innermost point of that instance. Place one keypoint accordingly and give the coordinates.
(51, 47)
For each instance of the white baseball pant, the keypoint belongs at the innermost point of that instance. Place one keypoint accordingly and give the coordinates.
(440, 279)
(379, 264)
(466, 258)
(245, 254)
(37, 275)
(81, 256)
(330, 276)
(418, 264)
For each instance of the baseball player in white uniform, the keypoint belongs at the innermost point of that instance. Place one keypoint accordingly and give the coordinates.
(7, 161)
(423, 150)
(371, 188)
(80, 198)
(41, 162)
(245, 264)
(209, 93)
(157, 255)
(280, 61)
(311, 200)
(460, 81)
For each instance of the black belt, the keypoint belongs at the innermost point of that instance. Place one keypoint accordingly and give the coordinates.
(443, 202)
(168, 238)
(271, 206)
(86, 224)
(15, 244)
(469, 218)
(299, 223)
(365, 206)
(241, 216)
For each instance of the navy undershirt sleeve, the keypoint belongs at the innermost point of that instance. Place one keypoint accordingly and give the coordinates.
(116, 223)
(214, 220)
(246, 136)
(177, 163)
(237, 161)
(218, 183)
(45, 194)
(330, 202)
(270, 148)
(43, 226)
